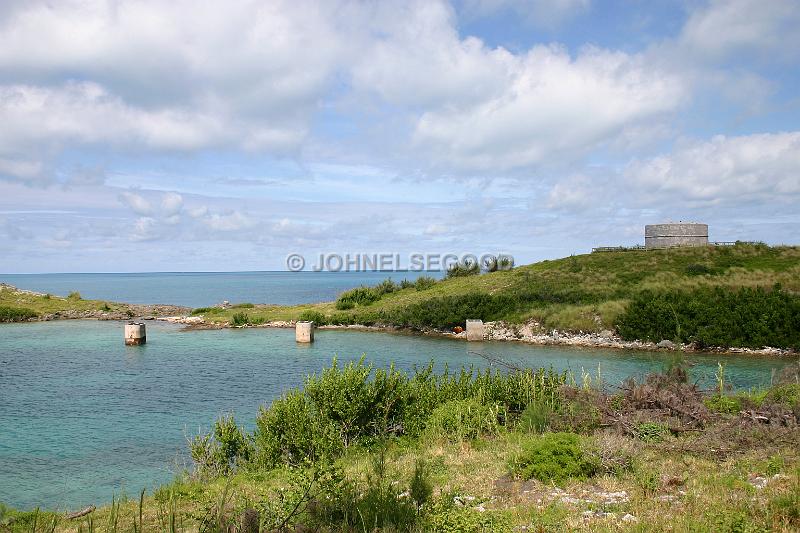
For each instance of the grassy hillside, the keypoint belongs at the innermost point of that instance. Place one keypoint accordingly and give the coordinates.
(579, 293)
(19, 305)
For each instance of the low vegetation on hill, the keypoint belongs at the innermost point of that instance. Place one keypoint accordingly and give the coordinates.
(742, 295)
(364, 449)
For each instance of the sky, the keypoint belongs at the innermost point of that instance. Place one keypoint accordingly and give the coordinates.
(219, 136)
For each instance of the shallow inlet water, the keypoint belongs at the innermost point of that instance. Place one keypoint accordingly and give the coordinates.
(83, 417)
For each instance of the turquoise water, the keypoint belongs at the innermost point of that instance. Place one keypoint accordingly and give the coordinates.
(83, 417)
(200, 289)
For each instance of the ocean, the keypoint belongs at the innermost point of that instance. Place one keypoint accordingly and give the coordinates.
(203, 289)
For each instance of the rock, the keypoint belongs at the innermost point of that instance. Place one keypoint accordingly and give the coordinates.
(666, 344)
(629, 518)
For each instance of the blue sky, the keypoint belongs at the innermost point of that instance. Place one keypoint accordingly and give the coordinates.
(180, 136)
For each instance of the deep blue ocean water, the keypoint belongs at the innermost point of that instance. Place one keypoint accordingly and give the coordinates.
(83, 417)
(201, 289)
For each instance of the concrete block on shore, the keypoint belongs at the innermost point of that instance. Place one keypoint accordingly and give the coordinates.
(135, 334)
(304, 331)
(474, 330)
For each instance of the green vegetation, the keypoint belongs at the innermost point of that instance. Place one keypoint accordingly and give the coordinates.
(747, 317)
(22, 305)
(16, 314)
(555, 457)
(365, 449)
(636, 291)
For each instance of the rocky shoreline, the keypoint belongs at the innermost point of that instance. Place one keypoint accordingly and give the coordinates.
(529, 333)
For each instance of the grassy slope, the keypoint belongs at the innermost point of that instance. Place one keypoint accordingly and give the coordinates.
(602, 283)
(48, 304)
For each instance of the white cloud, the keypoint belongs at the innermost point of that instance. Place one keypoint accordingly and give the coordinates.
(171, 204)
(726, 27)
(552, 107)
(137, 203)
(436, 229)
(166, 76)
(574, 192)
(25, 171)
(145, 229)
(744, 169)
(232, 221)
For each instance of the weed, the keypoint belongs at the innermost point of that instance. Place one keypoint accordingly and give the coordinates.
(651, 431)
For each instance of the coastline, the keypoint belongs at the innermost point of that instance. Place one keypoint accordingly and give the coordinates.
(505, 332)
(528, 333)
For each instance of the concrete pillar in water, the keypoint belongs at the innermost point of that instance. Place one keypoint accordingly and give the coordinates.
(475, 330)
(135, 334)
(304, 331)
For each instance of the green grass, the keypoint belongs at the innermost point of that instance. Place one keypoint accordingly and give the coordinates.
(579, 293)
(48, 304)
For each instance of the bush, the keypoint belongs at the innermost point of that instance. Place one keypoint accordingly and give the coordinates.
(357, 404)
(365, 295)
(289, 432)
(240, 319)
(747, 317)
(459, 420)
(696, 269)
(787, 395)
(243, 306)
(424, 283)
(406, 284)
(536, 417)
(555, 457)
(220, 452)
(313, 316)
(463, 269)
(16, 314)
(74, 295)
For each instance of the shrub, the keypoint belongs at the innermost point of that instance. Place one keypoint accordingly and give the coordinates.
(406, 284)
(344, 305)
(243, 306)
(424, 283)
(240, 319)
(787, 395)
(220, 452)
(312, 316)
(16, 314)
(358, 404)
(536, 417)
(288, 432)
(74, 295)
(555, 457)
(746, 317)
(696, 269)
(458, 420)
(463, 269)
(206, 310)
